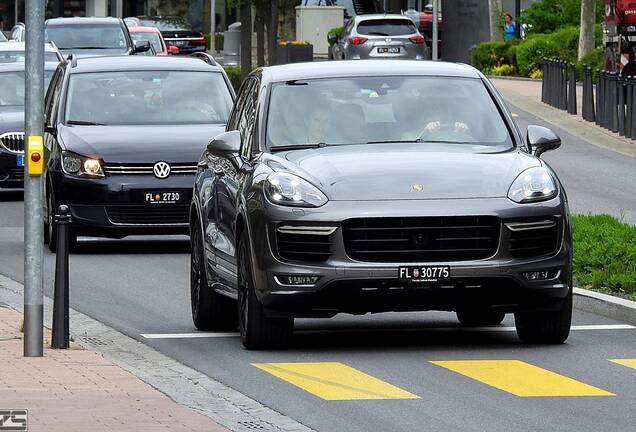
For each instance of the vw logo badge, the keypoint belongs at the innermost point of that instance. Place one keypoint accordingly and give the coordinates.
(161, 170)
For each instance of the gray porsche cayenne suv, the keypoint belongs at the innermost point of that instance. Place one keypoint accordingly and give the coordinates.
(377, 186)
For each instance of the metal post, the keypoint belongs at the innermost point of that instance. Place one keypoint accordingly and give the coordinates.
(564, 85)
(213, 26)
(517, 15)
(632, 118)
(435, 54)
(60, 328)
(33, 211)
(543, 79)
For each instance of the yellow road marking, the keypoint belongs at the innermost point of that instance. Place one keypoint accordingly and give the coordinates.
(625, 362)
(521, 378)
(334, 381)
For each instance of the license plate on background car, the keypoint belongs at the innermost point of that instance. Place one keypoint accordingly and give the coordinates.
(157, 198)
(424, 273)
(389, 50)
(19, 160)
(179, 43)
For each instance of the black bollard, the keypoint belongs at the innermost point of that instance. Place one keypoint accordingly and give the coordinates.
(614, 102)
(621, 105)
(564, 86)
(629, 106)
(599, 98)
(632, 117)
(543, 78)
(572, 108)
(60, 330)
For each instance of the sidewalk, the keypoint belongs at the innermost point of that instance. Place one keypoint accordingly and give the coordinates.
(78, 390)
(526, 95)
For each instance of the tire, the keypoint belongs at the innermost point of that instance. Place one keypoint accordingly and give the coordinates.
(480, 318)
(210, 310)
(546, 327)
(257, 330)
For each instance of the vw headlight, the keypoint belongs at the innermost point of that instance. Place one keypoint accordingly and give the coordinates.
(534, 184)
(77, 165)
(291, 190)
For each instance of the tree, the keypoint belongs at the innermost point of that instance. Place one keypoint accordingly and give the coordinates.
(546, 16)
(586, 36)
(246, 37)
(272, 31)
(494, 7)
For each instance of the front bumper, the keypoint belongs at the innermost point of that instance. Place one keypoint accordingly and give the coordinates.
(11, 175)
(347, 285)
(114, 206)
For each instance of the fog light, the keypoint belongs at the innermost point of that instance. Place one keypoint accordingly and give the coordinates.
(540, 275)
(302, 280)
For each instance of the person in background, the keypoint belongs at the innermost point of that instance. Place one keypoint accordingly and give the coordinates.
(510, 28)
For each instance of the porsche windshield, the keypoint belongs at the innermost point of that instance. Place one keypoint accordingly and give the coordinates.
(358, 110)
(148, 98)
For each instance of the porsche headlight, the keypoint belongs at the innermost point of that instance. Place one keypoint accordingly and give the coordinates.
(77, 165)
(291, 190)
(534, 184)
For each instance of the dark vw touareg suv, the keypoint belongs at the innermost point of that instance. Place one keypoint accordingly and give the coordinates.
(378, 186)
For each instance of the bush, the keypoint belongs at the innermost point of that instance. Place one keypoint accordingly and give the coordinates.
(234, 74)
(604, 254)
(338, 31)
(218, 41)
(531, 52)
(489, 55)
(536, 74)
(503, 70)
(546, 16)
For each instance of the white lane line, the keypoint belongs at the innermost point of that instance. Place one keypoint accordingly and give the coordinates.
(188, 335)
(422, 329)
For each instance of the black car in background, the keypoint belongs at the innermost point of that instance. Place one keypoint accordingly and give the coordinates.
(12, 99)
(90, 37)
(124, 136)
(177, 32)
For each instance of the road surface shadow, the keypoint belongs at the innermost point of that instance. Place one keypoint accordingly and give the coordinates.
(11, 195)
(136, 247)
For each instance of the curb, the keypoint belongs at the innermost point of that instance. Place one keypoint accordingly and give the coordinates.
(512, 78)
(605, 305)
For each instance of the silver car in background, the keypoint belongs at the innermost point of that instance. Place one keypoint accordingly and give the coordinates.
(380, 37)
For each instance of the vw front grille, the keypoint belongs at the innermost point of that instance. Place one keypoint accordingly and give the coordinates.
(147, 169)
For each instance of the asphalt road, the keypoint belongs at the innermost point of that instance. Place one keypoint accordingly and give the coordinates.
(140, 286)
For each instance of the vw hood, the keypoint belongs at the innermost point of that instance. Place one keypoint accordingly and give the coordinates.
(140, 144)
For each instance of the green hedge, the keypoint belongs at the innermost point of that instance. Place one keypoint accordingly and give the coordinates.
(525, 57)
(234, 74)
(604, 254)
(338, 31)
(218, 41)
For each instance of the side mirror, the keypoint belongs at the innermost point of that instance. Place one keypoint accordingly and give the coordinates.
(173, 50)
(226, 144)
(541, 140)
(142, 46)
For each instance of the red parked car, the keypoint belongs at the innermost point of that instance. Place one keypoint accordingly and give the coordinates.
(153, 35)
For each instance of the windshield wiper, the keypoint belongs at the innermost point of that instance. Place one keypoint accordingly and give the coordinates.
(419, 140)
(298, 146)
(87, 47)
(83, 123)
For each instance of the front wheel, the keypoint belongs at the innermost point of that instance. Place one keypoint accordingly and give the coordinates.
(545, 327)
(257, 330)
(210, 310)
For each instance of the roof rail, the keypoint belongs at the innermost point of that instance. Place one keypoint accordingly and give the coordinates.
(73, 59)
(60, 57)
(205, 57)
